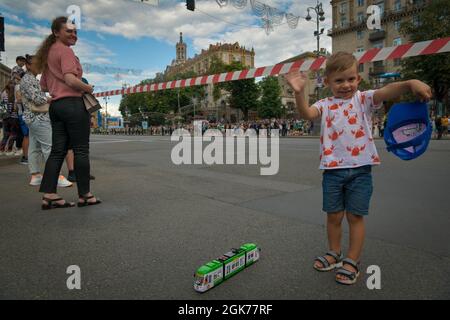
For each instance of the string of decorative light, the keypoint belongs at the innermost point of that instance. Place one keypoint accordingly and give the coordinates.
(239, 4)
(269, 15)
(102, 69)
(226, 21)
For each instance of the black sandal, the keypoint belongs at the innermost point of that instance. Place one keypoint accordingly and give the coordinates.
(350, 275)
(86, 203)
(52, 205)
(326, 265)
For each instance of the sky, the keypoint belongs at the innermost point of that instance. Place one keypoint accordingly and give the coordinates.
(129, 34)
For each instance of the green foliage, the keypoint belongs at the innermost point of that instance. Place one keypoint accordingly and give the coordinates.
(364, 85)
(162, 101)
(244, 94)
(270, 105)
(433, 69)
(326, 92)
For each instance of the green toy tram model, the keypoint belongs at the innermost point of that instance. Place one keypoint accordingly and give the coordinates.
(215, 272)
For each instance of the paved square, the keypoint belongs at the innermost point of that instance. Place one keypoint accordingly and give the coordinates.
(159, 222)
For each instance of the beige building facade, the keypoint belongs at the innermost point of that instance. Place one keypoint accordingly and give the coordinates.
(201, 63)
(287, 94)
(5, 75)
(350, 32)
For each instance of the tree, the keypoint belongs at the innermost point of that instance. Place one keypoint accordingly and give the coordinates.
(162, 101)
(432, 23)
(326, 92)
(244, 94)
(270, 105)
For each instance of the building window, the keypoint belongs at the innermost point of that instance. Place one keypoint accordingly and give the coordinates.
(397, 42)
(360, 17)
(378, 45)
(397, 24)
(398, 5)
(416, 20)
(360, 34)
(360, 3)
(343, 8)
(397, 62)
(381, 5)
(360, 49)
(343, 21)
(361, 67)
(378, 64)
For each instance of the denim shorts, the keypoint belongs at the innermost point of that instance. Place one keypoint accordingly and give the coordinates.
(347, 189)
(23, 126)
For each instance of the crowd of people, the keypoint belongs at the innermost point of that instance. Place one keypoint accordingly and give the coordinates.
(26, 133)
(50, 128)
(15, 133)
(286, 127)
(440, 126)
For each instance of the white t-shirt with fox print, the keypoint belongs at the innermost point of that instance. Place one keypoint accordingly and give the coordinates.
(346, 139)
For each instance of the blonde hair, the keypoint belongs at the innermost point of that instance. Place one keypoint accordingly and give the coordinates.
(339, 61)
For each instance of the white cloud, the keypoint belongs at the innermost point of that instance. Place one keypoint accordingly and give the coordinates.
(102, 60)
(113, 105)
(18, 42)
(12, 17)
(207, 22)
(133, 20)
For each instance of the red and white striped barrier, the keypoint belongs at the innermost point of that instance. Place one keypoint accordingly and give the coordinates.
(375, 54)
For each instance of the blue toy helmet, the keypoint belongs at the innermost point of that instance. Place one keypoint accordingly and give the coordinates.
(408, 130)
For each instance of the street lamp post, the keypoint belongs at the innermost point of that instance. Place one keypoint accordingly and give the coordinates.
(178, 96)
(319, 18)
(106, 98)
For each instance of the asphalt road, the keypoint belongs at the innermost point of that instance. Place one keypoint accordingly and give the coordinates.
(159, 222)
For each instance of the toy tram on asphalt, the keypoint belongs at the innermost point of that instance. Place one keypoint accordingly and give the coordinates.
(215, 272)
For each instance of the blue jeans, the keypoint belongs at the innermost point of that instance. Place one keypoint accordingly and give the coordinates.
(347, 189)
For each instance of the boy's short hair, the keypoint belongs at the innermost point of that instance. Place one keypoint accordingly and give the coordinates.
(339, 61)
(20, 58)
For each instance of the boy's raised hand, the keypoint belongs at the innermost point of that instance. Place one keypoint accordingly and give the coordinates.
(297, 80)
(421, 90)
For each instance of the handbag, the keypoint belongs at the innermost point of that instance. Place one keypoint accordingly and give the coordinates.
(43, 108)
(91, 103)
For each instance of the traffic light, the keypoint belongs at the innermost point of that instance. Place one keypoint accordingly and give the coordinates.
(190, 4)
(2, 34)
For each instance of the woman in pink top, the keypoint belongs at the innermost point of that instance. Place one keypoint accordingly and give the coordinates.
(61, 77)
